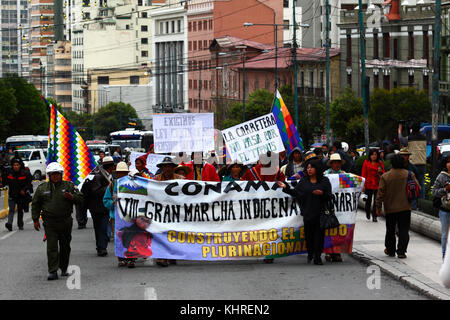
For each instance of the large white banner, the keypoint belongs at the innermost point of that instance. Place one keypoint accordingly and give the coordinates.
(246, 141)
(197, 220)
(183, 132)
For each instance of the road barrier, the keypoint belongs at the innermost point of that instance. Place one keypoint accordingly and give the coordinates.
(4, 212)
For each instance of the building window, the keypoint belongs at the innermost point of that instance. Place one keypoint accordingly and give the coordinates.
(200, 26)
(376, 81)
(167, 27)
(189, 26)
(195, 84)
(200, 47)
(285, 3)
(375, 45)
(210, 24)
(103, 80)
(173, 26)
(144, 53)
(386, 45)
(179, 25)
(144, 40)
(286, 24)
(411, 80)
(195, 45)
(205, 24)
(190, 83)
(134, 79)
(395, 49)
(189, 46)
(349, 80)
(205, 44)
(426, 47)
(194, 24)
(387, 82)
(144, 28)
(144, 15)
(411, 45)
(349, 50)
(426, 83)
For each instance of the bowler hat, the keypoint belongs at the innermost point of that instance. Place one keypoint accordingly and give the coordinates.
(166, 160)
(404, 151)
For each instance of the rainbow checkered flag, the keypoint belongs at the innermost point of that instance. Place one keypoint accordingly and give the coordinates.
(288, 131)
(67, 147)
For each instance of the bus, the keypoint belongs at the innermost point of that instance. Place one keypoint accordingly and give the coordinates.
(26, 142)
(132, 138)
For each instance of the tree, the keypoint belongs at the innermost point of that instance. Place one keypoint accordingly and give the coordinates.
(107, 120)
(387, 108)
(28, 114)
(346, 117)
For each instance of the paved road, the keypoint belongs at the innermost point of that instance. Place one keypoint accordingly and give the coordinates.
(23, 272)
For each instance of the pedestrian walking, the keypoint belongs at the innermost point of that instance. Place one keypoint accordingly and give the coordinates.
(109, 201)
(294, 167)
(18, 180)
(94, 191)
(404, 152)
(167, 167)
(201, 171)
(335, 164)
(141, 168)
(441, 192)
(265, 171)
(372, 170)
(417, 145)
(393, 195)
(235, 171)
(53, 201)
(312, 193)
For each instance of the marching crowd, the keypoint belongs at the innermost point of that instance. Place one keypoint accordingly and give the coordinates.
(384, 189)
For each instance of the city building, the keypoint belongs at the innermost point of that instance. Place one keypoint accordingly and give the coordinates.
(107, 34)
(42, 34)
(128, 85)
(444, 84)
(398, 52)
(169, 45)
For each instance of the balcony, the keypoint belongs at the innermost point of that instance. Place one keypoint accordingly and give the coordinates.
(444, 88)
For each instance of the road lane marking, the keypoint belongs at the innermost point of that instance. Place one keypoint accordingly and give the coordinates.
(150, 294)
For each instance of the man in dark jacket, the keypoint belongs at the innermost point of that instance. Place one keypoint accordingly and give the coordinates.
(54, 200)
(93, 191)
(18, 180)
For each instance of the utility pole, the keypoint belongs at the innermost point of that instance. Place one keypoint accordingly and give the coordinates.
(294, 48)
(199, 89)
(327, 94)
(120, 94)
(435, 97)
(276, 56)
(362, 37)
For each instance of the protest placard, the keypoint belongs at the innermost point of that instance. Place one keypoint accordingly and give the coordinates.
(246, 141)
(197, 220)
(183, 132)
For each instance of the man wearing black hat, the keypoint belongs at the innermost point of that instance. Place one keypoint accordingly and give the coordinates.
(167, 167)
(18, 179)
(94, 191)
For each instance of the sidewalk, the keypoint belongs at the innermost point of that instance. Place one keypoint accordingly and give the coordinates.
(419, 270)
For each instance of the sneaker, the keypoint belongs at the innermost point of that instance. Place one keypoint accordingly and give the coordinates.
(52, 276)
(64, 273)
(328, 257)
(386, 252)
(401, 255)
(374, 219)
(131, 264)
(8, 226)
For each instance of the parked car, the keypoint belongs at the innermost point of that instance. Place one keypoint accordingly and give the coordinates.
(35, 160)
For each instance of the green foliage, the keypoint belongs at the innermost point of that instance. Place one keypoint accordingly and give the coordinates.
(108, 118)
(346, 117)
(388, 107)
(22, 109)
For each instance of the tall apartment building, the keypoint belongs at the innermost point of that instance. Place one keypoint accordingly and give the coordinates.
(107, 34)
(14, 22)
(208, 20)
(398, 54)
(42, 34)
(169, 39)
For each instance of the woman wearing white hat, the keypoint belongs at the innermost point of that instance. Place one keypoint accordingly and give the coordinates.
(109, 201)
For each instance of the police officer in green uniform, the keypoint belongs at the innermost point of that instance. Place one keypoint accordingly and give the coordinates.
(54, 200)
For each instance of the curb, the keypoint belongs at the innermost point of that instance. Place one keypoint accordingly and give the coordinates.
(424, 285)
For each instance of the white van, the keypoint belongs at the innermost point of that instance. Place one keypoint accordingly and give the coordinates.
(35, 160)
